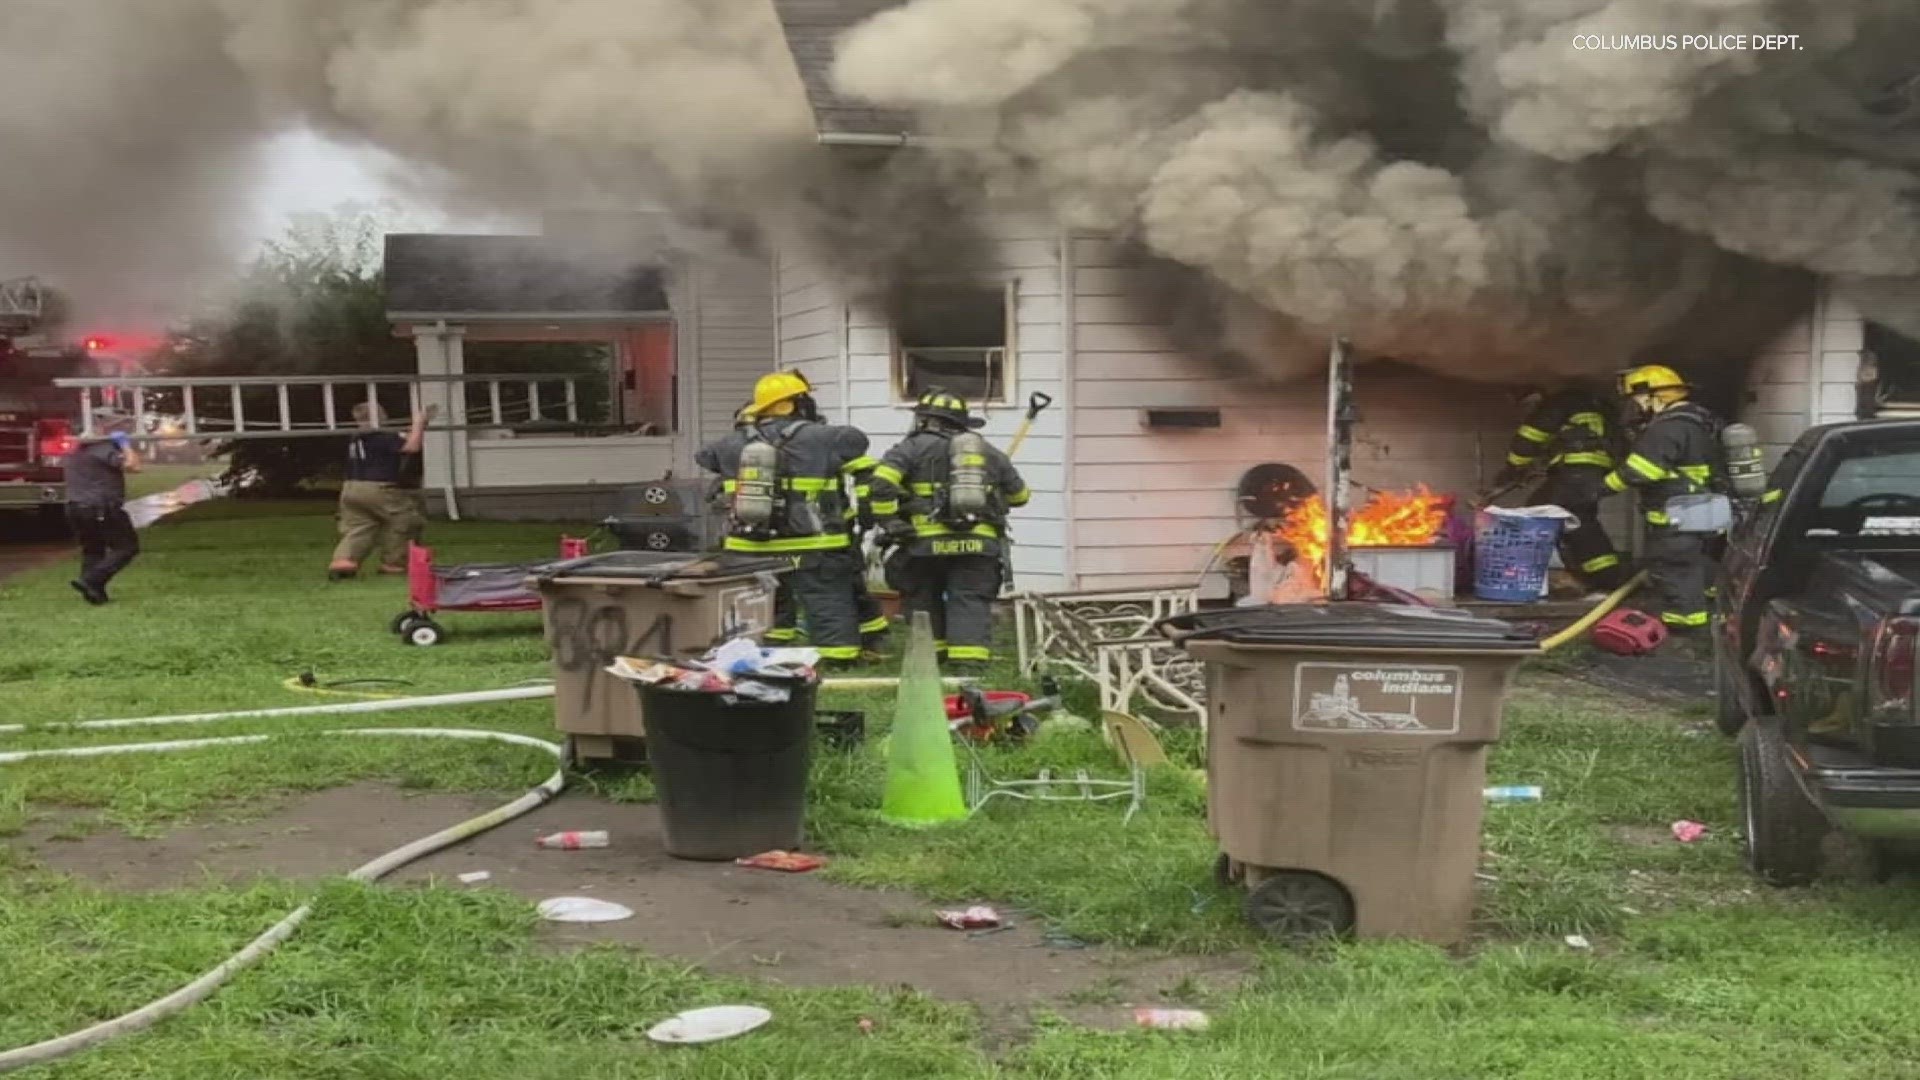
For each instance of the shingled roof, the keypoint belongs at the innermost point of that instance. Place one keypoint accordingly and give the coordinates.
(431, 276)
(812, 27)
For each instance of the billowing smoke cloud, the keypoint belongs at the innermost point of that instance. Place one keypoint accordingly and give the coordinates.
(126, 128)
(1454, 183)
(1486, 187)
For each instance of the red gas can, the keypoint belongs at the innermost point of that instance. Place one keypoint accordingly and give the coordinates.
(1629, 633)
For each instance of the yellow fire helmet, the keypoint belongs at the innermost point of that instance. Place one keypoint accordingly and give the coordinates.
(773, 389)
(1651, 378)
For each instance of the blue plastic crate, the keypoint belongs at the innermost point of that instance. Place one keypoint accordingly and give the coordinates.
(1511, 556)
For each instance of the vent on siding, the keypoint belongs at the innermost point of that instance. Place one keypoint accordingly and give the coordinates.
(1183, 418)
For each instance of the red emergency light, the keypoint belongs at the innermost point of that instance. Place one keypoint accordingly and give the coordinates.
(98, 344)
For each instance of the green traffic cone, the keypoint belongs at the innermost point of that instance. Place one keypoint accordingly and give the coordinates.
(923, 779)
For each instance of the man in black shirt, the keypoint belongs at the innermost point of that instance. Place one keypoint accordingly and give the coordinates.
(96, 504)
(376, 507)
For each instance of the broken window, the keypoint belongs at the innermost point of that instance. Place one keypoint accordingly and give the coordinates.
(955, 337)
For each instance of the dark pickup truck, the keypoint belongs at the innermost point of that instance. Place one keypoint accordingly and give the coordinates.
(1816, 633)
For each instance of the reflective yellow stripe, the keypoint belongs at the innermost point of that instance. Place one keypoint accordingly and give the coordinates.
(1615, 483)
(1600, 562)
(969, 652)
(1520, 461)
(926, 489)
(1699, 474)
(860, 464)
(926, 526)
(1658, 517)
(782, 635)
(890, 474)
(730, 486)
(840, 652)
(825, 542)
(810, 483)
(1592, 421)
(1771, 496)
(1646, 468)
(1691, 618)
(876, 626)
(1020, 498)
(885, 507)
(1597, 458)
(1534, 434)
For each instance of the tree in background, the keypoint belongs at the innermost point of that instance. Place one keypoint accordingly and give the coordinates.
(312, 303)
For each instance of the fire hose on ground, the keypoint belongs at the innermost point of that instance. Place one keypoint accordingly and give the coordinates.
(204, 986)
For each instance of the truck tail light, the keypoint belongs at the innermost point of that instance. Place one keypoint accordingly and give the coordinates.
(55, 440)
(1891, 678)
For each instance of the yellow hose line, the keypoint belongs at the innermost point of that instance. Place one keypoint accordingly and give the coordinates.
(1599, 612)
(295, 685)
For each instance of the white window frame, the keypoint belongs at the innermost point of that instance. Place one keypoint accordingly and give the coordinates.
(1008, 354)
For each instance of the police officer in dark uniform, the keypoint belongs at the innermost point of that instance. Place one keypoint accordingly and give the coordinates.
(1570, 434)
(796, 505)
(1677, 454)
(951, 562)
(96, 504)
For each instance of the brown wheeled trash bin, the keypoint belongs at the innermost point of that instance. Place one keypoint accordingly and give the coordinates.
(1346, 760)
(640, 604)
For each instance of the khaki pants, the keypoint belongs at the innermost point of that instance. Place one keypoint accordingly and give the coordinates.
(377, 515)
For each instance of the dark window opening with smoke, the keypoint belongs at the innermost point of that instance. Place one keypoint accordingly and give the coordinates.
(1892, 360)
(953, 337)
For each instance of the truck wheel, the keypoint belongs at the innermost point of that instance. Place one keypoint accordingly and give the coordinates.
(1299, 906)
(1729, 714)
(1784, 828)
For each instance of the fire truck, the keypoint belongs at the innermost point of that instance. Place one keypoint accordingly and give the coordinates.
(39, 422)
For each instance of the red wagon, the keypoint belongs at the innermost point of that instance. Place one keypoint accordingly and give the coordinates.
(489, 587)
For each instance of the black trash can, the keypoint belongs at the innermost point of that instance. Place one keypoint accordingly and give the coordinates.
(731, 777)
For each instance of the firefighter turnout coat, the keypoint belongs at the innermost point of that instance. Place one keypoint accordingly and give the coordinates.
(1570, 435)
(951, 572)
(812, 520)
(1678, 453)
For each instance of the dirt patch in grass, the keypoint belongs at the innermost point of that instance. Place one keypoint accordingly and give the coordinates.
(795, 930)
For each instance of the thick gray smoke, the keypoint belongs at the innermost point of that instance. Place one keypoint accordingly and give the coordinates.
(1486, 187)
(1456, 183)
(125, 128)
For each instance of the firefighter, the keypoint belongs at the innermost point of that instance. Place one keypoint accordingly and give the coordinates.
(377, 507)
(787, 472)
(1570, 435)
(1677, 453)
(786, 613)
(941, 496)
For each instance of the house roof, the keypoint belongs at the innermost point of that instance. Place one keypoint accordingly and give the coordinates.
(812, 28)
(448, 276)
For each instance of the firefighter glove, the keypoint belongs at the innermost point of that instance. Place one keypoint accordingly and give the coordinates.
(898, 531)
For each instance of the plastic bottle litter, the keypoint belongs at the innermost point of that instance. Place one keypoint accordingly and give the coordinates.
(1172, 1019)
(973, 918)
(1522, 793)
(574, 841)
(476, 877)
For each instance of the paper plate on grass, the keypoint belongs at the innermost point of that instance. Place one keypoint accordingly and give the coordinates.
(709, 1025)
(582, 909)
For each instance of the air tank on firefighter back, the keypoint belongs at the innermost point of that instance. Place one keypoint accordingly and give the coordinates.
(755, 485)
(1746, 465)
(967, 486)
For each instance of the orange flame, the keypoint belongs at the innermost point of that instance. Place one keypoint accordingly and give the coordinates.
(1389, 519)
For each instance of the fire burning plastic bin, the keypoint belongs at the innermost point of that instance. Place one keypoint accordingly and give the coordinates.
(642, 604)
(1346, 757)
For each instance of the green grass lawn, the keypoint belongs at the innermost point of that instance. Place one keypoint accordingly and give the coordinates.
(1694, 970)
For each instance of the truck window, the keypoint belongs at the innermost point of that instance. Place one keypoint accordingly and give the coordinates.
(1875, 489)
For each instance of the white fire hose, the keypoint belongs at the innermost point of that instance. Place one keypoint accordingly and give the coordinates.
(203, 987)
